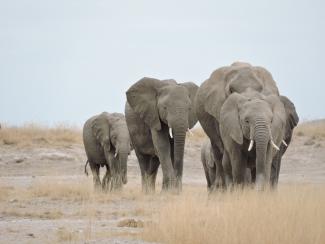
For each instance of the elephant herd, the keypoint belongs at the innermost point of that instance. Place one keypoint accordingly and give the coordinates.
(248, 123)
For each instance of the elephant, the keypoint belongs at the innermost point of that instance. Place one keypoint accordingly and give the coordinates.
(158, 114)
(209, 166)
(107, 143)
(251, 121)
(213, 93)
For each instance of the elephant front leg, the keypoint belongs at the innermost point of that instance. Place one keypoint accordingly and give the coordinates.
(220, 176)
(95, 171)
(239, 164)
(162, 147)
(227, 170)
(106, 180)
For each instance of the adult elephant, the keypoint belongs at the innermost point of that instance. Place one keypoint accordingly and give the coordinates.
(212, 94)
(158, 114)
(107, 143)
(251, 127)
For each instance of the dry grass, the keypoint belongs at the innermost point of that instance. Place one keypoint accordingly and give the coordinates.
(293, 214)
(14, 212)
(77, 191)
(315, 129)
(65, 235)
(33, 134)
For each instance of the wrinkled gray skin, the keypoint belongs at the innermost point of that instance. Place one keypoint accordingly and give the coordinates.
(107, 143)
(245, 117)
(213, 93)
(209, 166)
(153, 106)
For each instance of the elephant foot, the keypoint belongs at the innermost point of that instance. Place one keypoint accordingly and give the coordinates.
(116, 184)
(148, 183)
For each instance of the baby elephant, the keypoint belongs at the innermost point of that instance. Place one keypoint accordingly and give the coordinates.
(107, 143)
(209, 166)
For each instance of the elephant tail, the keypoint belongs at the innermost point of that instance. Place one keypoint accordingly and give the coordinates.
(86, 171)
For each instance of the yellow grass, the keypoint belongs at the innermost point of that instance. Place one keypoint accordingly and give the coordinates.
(290, 215)
(33, 134)
(314, 129)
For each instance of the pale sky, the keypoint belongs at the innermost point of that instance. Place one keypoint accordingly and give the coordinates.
(66, 60)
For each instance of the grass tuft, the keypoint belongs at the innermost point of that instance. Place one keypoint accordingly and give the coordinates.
(289, 215)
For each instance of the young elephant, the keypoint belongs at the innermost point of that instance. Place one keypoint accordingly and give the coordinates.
(208, 162)
(252, 128)
(107, 143)
(210, 167)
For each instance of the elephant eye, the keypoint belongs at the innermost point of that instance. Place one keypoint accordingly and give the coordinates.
(246, 121)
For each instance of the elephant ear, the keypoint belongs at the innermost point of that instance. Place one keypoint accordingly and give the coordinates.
(229, 118)
(192, 90)
(292, 116)
(101, 129)
(279, 114)
(212, 92)
(142, 97)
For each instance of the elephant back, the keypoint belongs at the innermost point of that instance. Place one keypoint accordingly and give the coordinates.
(222, 82)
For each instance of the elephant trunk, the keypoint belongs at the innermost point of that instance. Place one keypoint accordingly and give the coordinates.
(179, 144)
(262, 137)
(123, 158)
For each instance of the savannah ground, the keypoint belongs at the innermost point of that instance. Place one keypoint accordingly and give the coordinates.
(45, 196)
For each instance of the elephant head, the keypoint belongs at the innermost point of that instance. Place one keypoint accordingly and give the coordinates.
(239, 77)
(111, 133)
(252, 117)
(165, 104)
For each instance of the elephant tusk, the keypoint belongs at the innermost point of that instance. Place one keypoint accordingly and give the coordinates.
(251, 145)
(171, 132)
(189, 131)
(115, 155)
(275, 146)
(284, 143)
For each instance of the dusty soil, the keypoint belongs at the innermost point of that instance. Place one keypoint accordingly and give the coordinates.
(45, 196)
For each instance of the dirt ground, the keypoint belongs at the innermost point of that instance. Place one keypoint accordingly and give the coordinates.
(45, 197)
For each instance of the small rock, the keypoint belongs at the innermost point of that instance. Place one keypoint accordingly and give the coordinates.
(19, 160)
(31, 235)
(13, 200)
(131, 223)
(309, 142)
(318, 145)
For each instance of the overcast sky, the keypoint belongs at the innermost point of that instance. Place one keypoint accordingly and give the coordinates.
(66, 60)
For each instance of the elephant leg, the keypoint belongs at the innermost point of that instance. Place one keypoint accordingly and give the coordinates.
(95, 171)
(151, 174)
(239, 165)
(116, 178)
(162, 147)
(106, 180)
(227, 169)
(144, 161)
(220, 177)
(210, 173)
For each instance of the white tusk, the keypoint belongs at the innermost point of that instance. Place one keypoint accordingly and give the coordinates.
(275, 146)
(189, 131)
(171, 132)
(251, 145)
(284, 143)
(115, 155)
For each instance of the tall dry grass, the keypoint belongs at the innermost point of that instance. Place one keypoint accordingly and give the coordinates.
(293, 214)
(34, 134)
